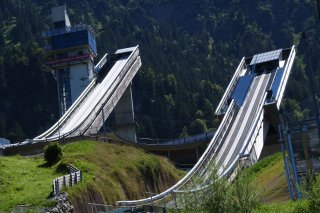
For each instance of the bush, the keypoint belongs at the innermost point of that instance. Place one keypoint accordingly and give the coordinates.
(220, 196)
(52, 153)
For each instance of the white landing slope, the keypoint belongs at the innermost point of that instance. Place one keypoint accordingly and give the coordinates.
(86, 108)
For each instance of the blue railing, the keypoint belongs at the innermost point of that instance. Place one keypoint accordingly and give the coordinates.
(204, 137)
(66, 29)
(77, 36)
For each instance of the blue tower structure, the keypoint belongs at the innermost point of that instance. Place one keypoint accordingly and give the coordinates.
(70, 52)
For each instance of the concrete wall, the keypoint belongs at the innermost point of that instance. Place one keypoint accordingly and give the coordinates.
(79, 80)
(124, 117)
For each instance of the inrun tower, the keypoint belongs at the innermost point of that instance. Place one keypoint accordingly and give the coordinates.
(70, 53)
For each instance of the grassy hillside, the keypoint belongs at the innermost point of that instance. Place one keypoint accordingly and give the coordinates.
(110, 172)
(269, 175)
(24, 181)
(114, 172)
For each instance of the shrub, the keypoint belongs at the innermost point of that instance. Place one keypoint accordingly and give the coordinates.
(52, 153)
(220, 196)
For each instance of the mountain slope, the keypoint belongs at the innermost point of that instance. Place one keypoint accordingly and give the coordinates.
(189, 52)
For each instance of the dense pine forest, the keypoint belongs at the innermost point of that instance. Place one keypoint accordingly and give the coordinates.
(189, 50)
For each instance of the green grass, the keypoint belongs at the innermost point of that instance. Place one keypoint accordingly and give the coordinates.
(118, 172)
(110, 172)
(24, 181)
(287, 207)
(269, 177)
(115, 172)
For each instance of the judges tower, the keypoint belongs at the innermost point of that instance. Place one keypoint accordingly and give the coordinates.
(70, 53)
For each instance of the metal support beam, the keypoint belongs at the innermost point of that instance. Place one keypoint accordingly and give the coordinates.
(197, 153)
(293, 163)
(169, 155)
(306, 149)
(289, 180)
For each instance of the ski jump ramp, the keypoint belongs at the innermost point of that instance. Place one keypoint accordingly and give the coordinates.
(88, 113)
(248, 109)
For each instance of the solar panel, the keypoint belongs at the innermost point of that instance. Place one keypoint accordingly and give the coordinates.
(264, 57)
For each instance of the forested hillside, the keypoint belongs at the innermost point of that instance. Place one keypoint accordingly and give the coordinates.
(189, 51)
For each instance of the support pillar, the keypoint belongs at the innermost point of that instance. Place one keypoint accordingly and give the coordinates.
(306, 149)
(197, 153)
(293, 163)
(169, 155)
(124, 117)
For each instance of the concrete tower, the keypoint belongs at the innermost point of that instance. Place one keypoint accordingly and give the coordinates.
(70, 53)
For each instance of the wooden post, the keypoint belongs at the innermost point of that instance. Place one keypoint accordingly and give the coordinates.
(53, 188)
(57, 187)
(70, 180)
(75, 178)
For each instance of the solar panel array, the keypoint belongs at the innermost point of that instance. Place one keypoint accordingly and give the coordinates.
(264, 57)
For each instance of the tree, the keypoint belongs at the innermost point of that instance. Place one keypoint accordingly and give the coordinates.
(52, 153)
(184, 132)
(198, 126)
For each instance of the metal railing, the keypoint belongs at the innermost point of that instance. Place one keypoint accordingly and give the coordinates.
(101, 63)
(73, 178)
(221, 107)
(66, 29)
(179, 141)
(284, 79)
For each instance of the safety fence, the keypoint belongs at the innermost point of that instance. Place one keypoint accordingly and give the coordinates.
(203, 137)
(73, 178)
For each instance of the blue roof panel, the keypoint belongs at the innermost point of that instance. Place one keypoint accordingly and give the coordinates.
(240, 91)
